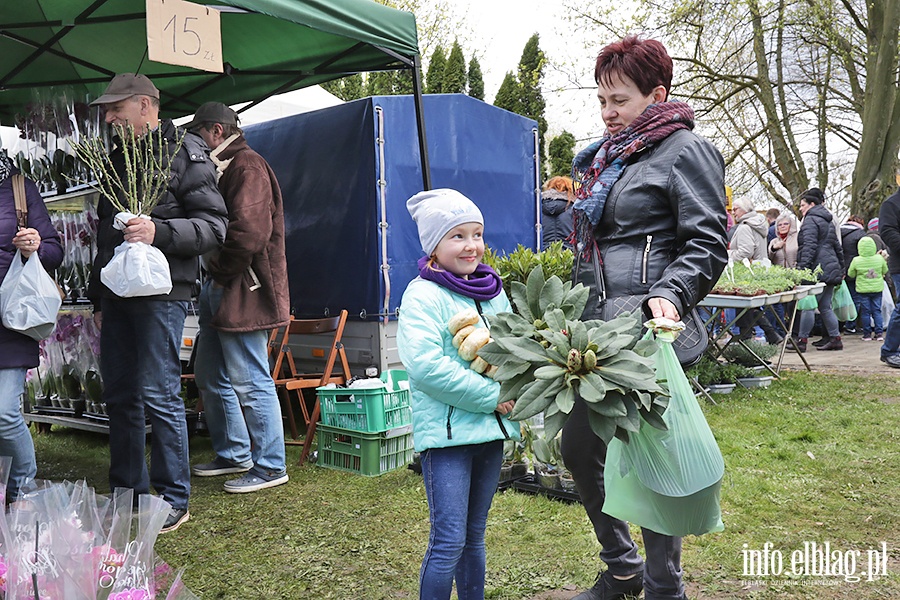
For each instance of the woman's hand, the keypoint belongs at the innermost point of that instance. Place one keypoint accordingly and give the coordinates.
(27, 240)
(504, 408)
(777, 244)
(660, 307)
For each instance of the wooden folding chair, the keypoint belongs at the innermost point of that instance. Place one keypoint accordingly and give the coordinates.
(290, 382)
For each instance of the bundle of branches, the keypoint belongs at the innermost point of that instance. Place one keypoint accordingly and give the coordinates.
(546, 355)
(147, 167)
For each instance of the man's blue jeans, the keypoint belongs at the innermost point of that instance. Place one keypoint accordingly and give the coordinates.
(460, 483)
(239, 398)
(891, 346)
(15, 439)
(140, 341)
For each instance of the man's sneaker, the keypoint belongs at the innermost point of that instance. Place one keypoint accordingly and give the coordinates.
(177, 517)
(866, 337)
(892, 360)
(219, 466)
(608, 587)
(879, 338)
(254, 480)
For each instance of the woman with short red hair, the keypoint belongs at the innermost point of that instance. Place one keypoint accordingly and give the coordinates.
(649, 225)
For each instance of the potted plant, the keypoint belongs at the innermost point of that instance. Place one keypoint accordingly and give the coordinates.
(715, 376)
(744, 354)
(755, 381)
(547, 462)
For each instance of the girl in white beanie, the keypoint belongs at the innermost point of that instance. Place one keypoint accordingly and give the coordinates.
(459, 422)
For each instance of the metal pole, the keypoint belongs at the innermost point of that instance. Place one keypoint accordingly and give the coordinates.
(420, 125)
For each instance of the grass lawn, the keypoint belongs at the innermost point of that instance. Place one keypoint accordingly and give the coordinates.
(813, 459)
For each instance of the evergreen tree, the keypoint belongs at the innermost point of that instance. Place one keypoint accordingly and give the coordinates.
(476, 81)
(352, 87)
(562, 152)
(531, 71)
(380, 83)
(508, 96)
(346, 88)
(434, 78)
(403, 82)
(454, 79)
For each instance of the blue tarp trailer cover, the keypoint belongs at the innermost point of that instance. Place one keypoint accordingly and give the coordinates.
(347, 171)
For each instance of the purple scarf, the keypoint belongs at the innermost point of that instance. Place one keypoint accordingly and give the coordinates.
(483, 284)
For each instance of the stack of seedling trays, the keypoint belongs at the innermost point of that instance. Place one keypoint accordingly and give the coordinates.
(366, 430)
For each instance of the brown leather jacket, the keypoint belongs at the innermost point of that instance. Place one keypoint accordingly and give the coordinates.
(251, 264)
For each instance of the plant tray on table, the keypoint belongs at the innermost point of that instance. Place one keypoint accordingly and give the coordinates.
(740, 279)
(546, 355)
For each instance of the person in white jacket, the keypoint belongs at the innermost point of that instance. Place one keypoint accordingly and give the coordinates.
(750, 230)
(749, 241)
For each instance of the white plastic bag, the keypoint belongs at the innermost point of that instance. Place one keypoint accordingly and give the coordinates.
(887, 305)
(137, 269)
(29, 298)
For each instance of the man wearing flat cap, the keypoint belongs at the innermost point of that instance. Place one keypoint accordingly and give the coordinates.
(140, 337)
(244, 297)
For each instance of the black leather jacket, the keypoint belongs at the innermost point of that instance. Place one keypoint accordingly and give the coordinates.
(662, 232)
(190, 218)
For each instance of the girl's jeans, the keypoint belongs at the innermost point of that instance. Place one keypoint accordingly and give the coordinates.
(460, 483)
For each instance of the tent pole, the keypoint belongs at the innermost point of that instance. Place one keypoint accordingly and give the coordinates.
(420, 124)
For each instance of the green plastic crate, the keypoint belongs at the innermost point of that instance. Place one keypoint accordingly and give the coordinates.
(367, 410)
(368, 454)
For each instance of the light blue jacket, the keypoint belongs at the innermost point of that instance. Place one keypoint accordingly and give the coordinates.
(452, 404)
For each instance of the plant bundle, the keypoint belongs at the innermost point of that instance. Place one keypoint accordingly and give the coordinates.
(147, 167)
(739, 279)
(546, 355)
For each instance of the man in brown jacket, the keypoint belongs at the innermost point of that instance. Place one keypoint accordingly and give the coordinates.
(244, 297)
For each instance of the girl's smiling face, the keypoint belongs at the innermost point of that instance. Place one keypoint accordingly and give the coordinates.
(461, 249)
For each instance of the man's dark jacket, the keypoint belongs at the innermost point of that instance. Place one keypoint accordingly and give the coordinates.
(251, 265)
(889, 230)
(190, 218)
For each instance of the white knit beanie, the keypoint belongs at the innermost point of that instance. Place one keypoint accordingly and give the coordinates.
(438, 211)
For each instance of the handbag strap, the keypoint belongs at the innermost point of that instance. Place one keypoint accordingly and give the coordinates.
(18, 185)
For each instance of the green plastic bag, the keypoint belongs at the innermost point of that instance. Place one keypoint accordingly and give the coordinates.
(842, 303)
(668, 481)
(808, 302)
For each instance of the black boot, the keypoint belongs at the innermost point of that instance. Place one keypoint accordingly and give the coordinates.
(801, 344)
(825, 339)
(833, 344)
(772, 335)
(608, 587)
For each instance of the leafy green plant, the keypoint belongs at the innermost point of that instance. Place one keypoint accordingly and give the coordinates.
(709, 371)
(516, 266)
(741, 355)
(546, 356)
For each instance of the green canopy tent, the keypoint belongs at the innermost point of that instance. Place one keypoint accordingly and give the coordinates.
(268, 47)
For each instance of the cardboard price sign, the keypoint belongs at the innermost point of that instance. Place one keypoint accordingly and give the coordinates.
(185, 34)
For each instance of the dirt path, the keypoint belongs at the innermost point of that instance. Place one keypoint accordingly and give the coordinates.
(856, 357)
